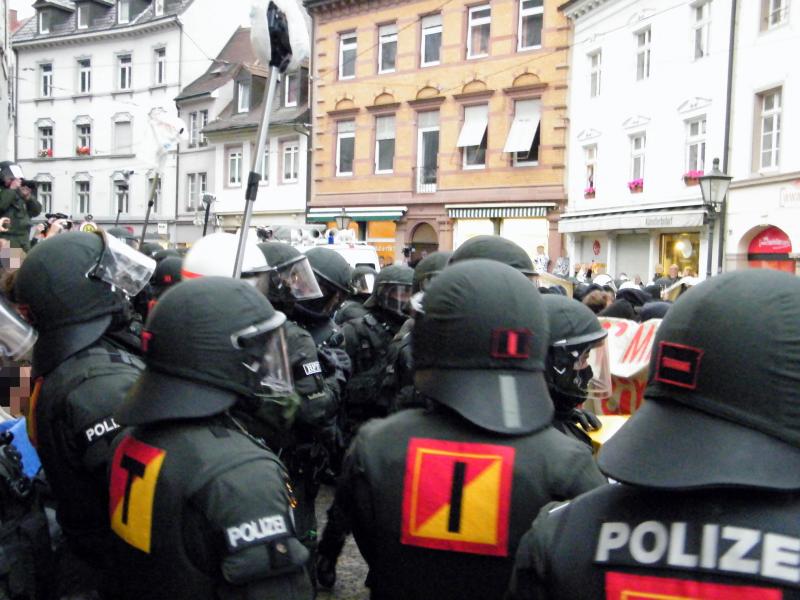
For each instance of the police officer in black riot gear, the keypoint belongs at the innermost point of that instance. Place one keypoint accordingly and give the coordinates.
(438, 498)
(577, 365)
(362, 283)
(709, 466)
(494, 247)
(199, 507)
(317, 381)
(333, 275)
(74, 288)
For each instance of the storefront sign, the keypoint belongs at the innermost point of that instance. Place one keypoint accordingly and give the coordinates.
(790, 196)
(770, 241)
(658, 221)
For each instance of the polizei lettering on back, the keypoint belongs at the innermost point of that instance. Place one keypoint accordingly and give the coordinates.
(101, 428)
(706, 547)
(254, 532)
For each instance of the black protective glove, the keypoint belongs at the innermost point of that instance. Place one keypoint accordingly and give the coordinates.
(587, 420)
(335, 361)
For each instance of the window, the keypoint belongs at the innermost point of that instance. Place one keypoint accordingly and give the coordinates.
(244, 97)
(291, 89)
(347, 55)
(151, 181)
(84, 76)
(235, 167)
(345, 147)
(479, 28)
(192, 200)
(427, 151)
(595, 72)
(121, 195)
(590, 160)
(160, 66)
(523, 137)
(643, 54)
(44, 20)
(192, 129)
(384, 144)
(700, 29)
(770, 121)
(125, 71)
(531, 19)
(696, 145)
(84, 133)
(472, 139)
(46, 72)
(46, 141)
(431, 48)
(123, 137)
(774, 13)
(387, 48)
(123, 11)
(291, 155)
(45, 196)
(159, 7)
(264, 166)
(637, 156)
(203, 121)
(83, 16)
(83, 197)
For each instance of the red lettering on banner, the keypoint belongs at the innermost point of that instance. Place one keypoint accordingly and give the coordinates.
(622, 327)
(622, 586)
(639, 347)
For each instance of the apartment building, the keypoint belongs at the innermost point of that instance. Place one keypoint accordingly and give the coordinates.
(89, 74)
(434, 122)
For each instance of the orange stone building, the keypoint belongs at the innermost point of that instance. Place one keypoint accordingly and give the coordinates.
(437, 121)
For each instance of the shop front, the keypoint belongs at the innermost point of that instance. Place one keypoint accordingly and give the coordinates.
(771, 249)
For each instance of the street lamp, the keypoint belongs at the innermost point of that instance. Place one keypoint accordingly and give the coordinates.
(714, 188)
(208, 200)
(342, 220)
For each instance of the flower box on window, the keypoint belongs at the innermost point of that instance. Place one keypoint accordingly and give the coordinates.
(588, 193)
(692, 177)
(46, 153)
(636, 186)
(83, 151)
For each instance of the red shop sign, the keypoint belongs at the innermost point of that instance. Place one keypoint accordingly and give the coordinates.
(770, 241)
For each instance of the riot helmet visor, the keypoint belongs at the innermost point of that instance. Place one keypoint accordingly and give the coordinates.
(394, 297)
(298, 278)
(122, 267)
(363, 283)
(582, 371)
(265, 354)
(16, 336)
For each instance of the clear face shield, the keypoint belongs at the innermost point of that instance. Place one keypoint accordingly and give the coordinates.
(298, 279)
(364, 283)
(582, 371)
(16, 336)
(122, 267)
(394, 297)
(332, 297)
(264, 346)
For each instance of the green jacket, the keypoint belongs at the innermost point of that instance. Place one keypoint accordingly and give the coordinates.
(20, 211)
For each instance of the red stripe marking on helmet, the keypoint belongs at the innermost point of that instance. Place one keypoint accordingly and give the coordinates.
(189, 275)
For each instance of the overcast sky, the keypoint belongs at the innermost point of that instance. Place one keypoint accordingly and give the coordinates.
(24, 7)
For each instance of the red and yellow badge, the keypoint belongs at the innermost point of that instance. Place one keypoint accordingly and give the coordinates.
(457, 496)
(622, 586)
(134, 475)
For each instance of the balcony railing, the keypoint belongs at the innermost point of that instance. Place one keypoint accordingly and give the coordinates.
(425, 179)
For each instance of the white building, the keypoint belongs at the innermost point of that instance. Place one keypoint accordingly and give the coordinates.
(647, 101)
(6, 83)
(90, 72)
(223, 109)
(763, 217)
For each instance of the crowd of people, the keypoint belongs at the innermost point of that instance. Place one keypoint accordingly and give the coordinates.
(185, 421)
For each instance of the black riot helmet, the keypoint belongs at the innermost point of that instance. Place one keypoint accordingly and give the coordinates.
(167, 274)
(428, 268)
(290, 275)
(71, 287)
(363, 281)
(494, 247)
(482, 353)
(150, 249)
(722, 404)
(392, 290)
(125, 235)
(208, 343)
(333, 275)
(577, 358)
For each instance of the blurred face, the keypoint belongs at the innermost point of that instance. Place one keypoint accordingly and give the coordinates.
(673, 271)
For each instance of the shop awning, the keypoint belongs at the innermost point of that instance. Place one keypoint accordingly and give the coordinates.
(498, 211)
(357, 213)
(476, 119)
(680, 217)
(523, 129)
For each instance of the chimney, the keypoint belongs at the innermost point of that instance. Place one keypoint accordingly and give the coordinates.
(13, 21)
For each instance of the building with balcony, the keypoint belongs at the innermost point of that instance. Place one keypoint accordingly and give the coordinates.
(647, 111)
(762, 224)
(223, 109)
(90, 73)
(436, 122)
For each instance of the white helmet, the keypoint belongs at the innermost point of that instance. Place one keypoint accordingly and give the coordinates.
(215, 254)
